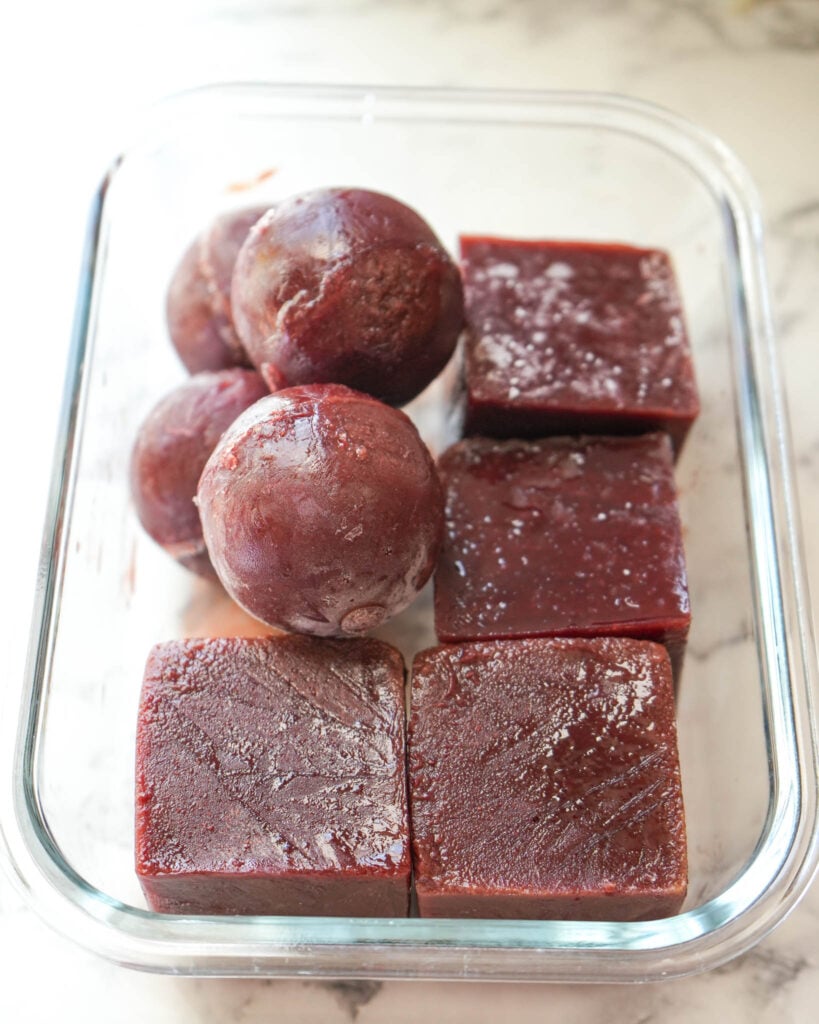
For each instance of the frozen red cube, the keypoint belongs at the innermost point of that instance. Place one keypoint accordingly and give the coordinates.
(563, 536)
(270, 778)
(574, 337)
(545, 782)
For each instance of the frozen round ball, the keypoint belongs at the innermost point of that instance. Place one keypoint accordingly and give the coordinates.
(322, 511)
(347, 286)
(197, 304)
(170, 452)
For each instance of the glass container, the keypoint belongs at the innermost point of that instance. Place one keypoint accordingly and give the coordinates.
(548, 165)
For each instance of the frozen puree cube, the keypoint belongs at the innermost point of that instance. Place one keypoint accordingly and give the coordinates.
(544, 781)
(571, 337)
(270, 778)
(562, 537)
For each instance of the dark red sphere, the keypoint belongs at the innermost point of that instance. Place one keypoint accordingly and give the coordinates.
(347, 286)
(171, 449)
(322, 510)
(198, 300)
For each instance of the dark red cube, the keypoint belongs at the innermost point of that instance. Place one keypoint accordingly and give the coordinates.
(562, 537)
(574, 337)
(544, 781)
(270, 778)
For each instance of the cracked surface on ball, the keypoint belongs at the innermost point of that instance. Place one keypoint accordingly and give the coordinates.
(347, 286)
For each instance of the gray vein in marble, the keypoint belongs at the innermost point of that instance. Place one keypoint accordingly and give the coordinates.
(805, 209)
(695, 30)
(755, 25)
(456, 11)
(790, 29)
(794, 25)
(531, 22)
(799, 223)
(808, 458)
(706, 651)
(705, 15)
(770, 970)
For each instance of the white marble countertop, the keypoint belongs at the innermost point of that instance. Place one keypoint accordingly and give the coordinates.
(75, 73)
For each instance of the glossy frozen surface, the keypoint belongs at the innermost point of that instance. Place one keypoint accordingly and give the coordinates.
(171, 449)
(197, 304)
(574, 337)
(322, 511)
(544, 781)
(563, 536)
(270, 778)
(349, 286)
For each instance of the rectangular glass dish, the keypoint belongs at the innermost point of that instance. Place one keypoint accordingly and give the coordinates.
(521, 165)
